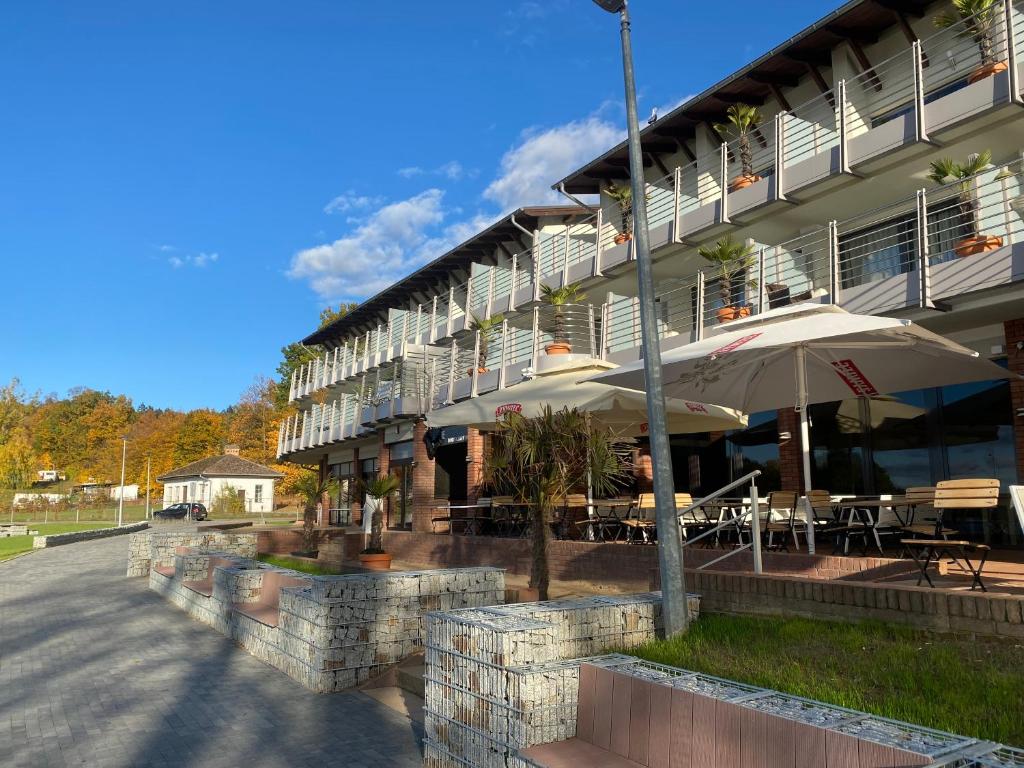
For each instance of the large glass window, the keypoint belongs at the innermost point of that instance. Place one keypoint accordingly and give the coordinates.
(904, 448)
(757, 447)
(400, 508)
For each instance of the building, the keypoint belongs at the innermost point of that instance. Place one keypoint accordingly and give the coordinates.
(831, 192)
(207, 479)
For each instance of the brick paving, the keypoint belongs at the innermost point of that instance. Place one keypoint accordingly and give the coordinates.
(97, 670)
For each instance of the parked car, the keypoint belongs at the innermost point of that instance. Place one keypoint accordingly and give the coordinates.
(186, 510)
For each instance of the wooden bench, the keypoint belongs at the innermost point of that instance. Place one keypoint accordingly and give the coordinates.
(265, 610)
(933, 550)
(623, 721)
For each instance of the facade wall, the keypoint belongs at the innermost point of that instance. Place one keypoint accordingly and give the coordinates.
(259, 492)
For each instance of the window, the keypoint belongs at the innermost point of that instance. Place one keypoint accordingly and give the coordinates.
(258, 493)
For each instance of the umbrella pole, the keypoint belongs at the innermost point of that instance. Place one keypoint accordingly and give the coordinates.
(805, 440)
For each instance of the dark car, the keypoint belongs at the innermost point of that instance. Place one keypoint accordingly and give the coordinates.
(186, 510)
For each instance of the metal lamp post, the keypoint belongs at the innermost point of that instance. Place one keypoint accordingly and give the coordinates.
(148, 465)
(670, 549)
(120, 496)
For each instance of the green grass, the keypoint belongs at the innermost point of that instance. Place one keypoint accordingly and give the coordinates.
(971, 688)
(16, 545)
(283, 561)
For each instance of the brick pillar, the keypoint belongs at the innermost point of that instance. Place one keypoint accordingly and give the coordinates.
(475, 452)
(1014, 332)
(422, 480)
(791, 467)
(354, 506)
(383, 468)
(323, 518)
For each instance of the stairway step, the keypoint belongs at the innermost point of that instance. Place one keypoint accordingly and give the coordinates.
(411, 679)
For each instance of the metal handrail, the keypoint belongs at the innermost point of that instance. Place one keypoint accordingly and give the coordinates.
(755, 521)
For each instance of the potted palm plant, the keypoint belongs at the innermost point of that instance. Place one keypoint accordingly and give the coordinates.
(743, 119)
(978, 20)
(378, 490)
(733, 260)
(947, 171)
(487, 327)
(623, 195)
(548, 457)
(559, 298)
(312, 488)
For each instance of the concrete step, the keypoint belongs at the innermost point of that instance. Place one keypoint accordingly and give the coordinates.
(410, 678)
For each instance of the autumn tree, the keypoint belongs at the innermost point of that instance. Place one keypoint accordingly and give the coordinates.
(201, 434)
(17, 462)
(296, 354)
(252, 422)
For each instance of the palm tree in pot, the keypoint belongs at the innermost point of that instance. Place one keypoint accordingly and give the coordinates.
(378, 490)
(623, 195)
(487, 327)
(743, 119)
(546, 458)
(947, 171)
(976, 20)
(559, 299)
(312, 488)
(733, 261)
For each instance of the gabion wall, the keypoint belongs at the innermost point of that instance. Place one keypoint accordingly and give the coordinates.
(337, 631)
(490, 673)
(150, 549)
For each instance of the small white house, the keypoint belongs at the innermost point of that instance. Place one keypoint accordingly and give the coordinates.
(131, 492)
(208, 478)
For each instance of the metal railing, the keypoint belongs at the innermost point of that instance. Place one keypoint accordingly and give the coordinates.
(736, 522)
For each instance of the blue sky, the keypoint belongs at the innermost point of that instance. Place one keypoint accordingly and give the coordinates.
(184, 185)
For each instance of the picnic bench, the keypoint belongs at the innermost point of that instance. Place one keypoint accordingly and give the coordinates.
(265, 609)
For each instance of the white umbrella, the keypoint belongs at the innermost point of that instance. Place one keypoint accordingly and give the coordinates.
(795, 356)
(622, 410)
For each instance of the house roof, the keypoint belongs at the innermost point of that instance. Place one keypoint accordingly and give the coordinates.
(461, 256)
(220, 466)
(859, 22)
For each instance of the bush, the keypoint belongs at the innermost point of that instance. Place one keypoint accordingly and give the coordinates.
(227, 503)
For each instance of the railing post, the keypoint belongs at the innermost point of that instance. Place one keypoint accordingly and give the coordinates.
(405, 334)
(698, 321)
(535, 353)
(451, 310)
(357, 411)
(677, 213)
(1013, 76)
(467, 309)
(537, 254)
(475, 370)
(565, 257)
(920, 128)
(419, 324)
(503, 360)
(599, 220)
(452, 362)
(592, 330)
(515, 276)
(724, 170)
(606, 312)
(291, 389)
(395, 393)
(924, 298)
(366, 351)
(433, 321)
(755, 527)
(833, 262)
(490, 289)
(762, 290)
(780, 156)
(842, 120)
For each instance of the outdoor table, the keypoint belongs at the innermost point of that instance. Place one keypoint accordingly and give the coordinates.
(934, 549)
(472, 524)
(597, 523)
(729, 508)
(867, 522)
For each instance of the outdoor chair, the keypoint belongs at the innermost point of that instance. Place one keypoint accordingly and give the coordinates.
(574, 510)
(502, 517)
(608, 526)
(780, 519)
(693, 522)
(641, 519)
(922, 519)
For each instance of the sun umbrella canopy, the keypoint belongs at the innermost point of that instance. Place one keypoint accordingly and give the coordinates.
(752, 368)
(622, 410)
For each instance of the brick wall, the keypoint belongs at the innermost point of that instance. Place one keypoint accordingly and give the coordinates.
(286, 540)
(1014, 331)
(790, 459)
(474, 464)
(354, 505)
(422, 480)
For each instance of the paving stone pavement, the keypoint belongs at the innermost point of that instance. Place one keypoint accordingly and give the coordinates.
(97, 670)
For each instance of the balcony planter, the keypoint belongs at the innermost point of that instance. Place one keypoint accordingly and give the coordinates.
(622, 237)
(727, 314)
(558, 298)
(743, 119)
(980, 244)
(949, 172)
(485, 328)
(744, 181)
(987, 70)
(469, 371)
(976, 20)
(623, 195)
(558, 348)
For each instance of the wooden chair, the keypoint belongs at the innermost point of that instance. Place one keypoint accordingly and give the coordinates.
(779, 517)
(501, 515)
(641, 519)
(822, 509)
(975, 493)
(696, 521)
(573, 504)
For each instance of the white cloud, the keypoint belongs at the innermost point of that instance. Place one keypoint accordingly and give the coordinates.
(452, 170)
(412, 170)
(166, 248)
(348, 201)
(546, 155)
(198, 260)
(393, 240)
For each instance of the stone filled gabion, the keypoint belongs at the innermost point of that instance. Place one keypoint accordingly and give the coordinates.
(150, 548)
(335, 631)
(497, 679)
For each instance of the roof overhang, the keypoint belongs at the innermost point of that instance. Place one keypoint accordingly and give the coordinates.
(859, 21)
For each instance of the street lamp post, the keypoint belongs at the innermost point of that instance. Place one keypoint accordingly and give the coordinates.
(670, 549)
(120, 496)
(148, 464)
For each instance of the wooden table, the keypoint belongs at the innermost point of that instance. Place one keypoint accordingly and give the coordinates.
(472, 524)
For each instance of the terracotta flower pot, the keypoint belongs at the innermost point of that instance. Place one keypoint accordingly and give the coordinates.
(727, 314)
(623, 237)
(743, 181)
(469, 371)
(558, 348)
(987, 70)
(979, 244)
(375, 562)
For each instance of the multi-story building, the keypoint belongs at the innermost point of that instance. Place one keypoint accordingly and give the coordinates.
(830, 190)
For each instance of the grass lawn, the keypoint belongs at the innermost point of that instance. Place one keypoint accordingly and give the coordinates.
(15, 545)
(969, 688)
(283, 561)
